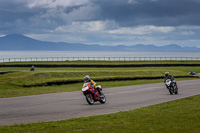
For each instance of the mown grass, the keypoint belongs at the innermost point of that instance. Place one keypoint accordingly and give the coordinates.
(179, 116)
(11, 83)
(41, 75)
(15, 91)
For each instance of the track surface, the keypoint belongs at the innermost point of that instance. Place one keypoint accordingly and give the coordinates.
(60, 106)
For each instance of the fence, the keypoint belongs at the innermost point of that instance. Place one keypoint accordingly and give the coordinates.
(100, 59)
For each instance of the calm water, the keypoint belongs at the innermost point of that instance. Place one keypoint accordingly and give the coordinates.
(7, 56)
(28, 54)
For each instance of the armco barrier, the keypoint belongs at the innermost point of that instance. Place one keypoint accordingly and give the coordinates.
(32, 59)
(99, 65)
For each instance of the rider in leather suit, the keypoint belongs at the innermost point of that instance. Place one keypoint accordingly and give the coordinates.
(168, 76)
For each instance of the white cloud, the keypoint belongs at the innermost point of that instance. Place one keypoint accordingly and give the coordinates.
(55, 3)
(163, 29)
(153, 0)
(2, 35)
(58, 37)
(94, 21)
(60, 17)
(186, 27)
(90, 26)
(142, 30)
(187, 33)
(84, 13)
(132, 2)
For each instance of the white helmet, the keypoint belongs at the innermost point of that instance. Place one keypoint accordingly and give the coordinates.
(87, 78)
(166, 74)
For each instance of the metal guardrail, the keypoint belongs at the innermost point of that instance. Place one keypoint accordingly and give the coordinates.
(100, 59)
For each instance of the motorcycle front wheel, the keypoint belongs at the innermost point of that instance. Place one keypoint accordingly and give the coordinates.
(102, 98)
(171, 90)
(176, 90)
(89, 98)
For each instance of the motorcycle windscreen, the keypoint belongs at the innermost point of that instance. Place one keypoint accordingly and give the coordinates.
(85, 87)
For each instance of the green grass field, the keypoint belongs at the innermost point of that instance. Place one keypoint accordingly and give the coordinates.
(180, 116)
(11, 83)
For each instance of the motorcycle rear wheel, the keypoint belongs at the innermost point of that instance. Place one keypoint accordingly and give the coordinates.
(89, 98)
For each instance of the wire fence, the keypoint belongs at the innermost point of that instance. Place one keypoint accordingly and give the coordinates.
(99, 59)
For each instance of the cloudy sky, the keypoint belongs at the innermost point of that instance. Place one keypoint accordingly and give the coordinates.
(104, 22)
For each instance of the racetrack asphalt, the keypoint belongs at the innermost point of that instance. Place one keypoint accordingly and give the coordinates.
(66, 105)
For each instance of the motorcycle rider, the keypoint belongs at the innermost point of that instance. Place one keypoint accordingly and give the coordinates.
(32, 68)
(168, 76)
(87, 79)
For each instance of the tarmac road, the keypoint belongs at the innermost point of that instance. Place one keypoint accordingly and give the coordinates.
(60, 106)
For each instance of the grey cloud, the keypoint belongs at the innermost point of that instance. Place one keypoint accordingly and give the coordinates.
(12, 12)
(125, 13)
(22, 16)
(147, 12)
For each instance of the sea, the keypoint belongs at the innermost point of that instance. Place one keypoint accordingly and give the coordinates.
(9, 56)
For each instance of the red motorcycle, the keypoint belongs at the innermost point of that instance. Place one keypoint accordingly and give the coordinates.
(93, 94)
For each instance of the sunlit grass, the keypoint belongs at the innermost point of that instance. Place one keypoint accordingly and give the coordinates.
(11, 83)
(180, 116)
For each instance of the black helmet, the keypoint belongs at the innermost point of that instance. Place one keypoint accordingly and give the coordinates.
(166, 74)
(87, 78)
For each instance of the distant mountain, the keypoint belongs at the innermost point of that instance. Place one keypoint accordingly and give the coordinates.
(21, 42)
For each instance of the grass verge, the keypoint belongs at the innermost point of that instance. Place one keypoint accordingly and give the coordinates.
(179, 116)
(14, 91)
(11, 83)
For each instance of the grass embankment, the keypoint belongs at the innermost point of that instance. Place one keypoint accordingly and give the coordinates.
(11, 83)
(180, 116)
